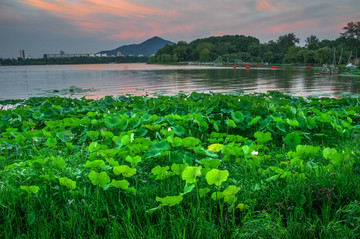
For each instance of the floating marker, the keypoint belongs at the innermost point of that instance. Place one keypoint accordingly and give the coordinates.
(274, 67)
(247, 67)
(309, 67)
(234, 67)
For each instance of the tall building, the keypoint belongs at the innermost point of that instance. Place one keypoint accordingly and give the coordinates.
(22, 54)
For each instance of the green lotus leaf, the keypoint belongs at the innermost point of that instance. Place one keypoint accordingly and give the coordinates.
(237, 116)
(188, 188)
(178, 168)
(134, 122)
(95, 164)
(170, 200)
(216, 176)
(123, 184)
(292, 139)
(190, 173)
(231, 190)
(161, 173)
(217, 195)
(242, 207)
(211, 163)
(162, 146)
(176, 157)
(190, 142)
(203, 126)
(70, 184)
(107, 134)
(328, 153)
(175, 141)
(100, 179)
(262, 138)
(124, 170)
(254, 121)
(203, 191)
(58, 162)
(51, 142)
(178, 130)
(112, 121)
(231, 123)
(293, 123)
(133, 160)
(30, 189)
(125, 140)
(93, 134)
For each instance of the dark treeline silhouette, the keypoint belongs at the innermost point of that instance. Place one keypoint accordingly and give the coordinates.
(240, 48)
(75, 60)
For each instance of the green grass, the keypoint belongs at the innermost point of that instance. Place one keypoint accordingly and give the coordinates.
(186, 166)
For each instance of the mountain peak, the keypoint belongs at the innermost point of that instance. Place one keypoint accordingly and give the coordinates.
(146, 48)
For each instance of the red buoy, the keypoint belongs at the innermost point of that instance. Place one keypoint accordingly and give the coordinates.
(234, 67)
(309, 67)
(274, 67)
(247, 67)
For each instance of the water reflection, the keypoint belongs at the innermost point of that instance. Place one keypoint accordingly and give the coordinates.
(141, 79)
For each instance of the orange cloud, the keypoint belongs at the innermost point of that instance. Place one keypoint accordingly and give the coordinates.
(291, 26)
(264, 5)
(86, 13)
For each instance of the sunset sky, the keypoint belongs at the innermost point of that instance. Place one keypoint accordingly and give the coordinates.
(88, 26)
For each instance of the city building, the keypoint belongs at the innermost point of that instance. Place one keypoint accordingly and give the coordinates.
(22, 54)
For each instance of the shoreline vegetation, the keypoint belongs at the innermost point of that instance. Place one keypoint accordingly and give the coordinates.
(187, 166)
(236, 49)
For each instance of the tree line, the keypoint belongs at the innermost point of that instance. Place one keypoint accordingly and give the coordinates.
(74, 60)
(240, 48)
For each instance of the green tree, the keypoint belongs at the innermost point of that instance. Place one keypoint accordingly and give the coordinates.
(352, 30)
(291, 55)
(311, 40)
(324, 55)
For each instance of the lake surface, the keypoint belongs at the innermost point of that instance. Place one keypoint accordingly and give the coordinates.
(99, 80)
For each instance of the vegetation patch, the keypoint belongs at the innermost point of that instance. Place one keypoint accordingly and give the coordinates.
(191, 166)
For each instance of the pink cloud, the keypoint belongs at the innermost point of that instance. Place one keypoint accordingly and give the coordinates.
(86, 13)
(264, 5)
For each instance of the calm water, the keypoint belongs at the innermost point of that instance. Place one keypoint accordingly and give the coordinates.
(96, 81)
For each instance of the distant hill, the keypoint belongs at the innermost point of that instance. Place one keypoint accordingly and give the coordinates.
(146, 48)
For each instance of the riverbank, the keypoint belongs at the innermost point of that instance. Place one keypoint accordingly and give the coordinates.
(189, 165)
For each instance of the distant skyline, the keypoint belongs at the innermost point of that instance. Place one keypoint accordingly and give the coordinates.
(88, 26)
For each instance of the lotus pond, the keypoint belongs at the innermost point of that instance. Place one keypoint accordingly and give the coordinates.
(186, 166)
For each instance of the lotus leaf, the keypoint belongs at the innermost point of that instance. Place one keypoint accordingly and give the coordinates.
(161, 146)
(217, 195)
(70, 184)
(95, 164)
(262, 138)
(58, 162)
(215, 147)
(178, 168)
(170, 200)
(124, 170)
(123, 184)
(133, 160)
(190, 173)
(203, 191)
(30, 189)
(93, 134)
(237, 116)
(242, 207)
(231, 123)
(292, 139)
(190, 142)
(211, 163)
(216, 176)
(100, 179)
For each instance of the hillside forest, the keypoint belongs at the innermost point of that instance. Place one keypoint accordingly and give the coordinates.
(240, 48)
